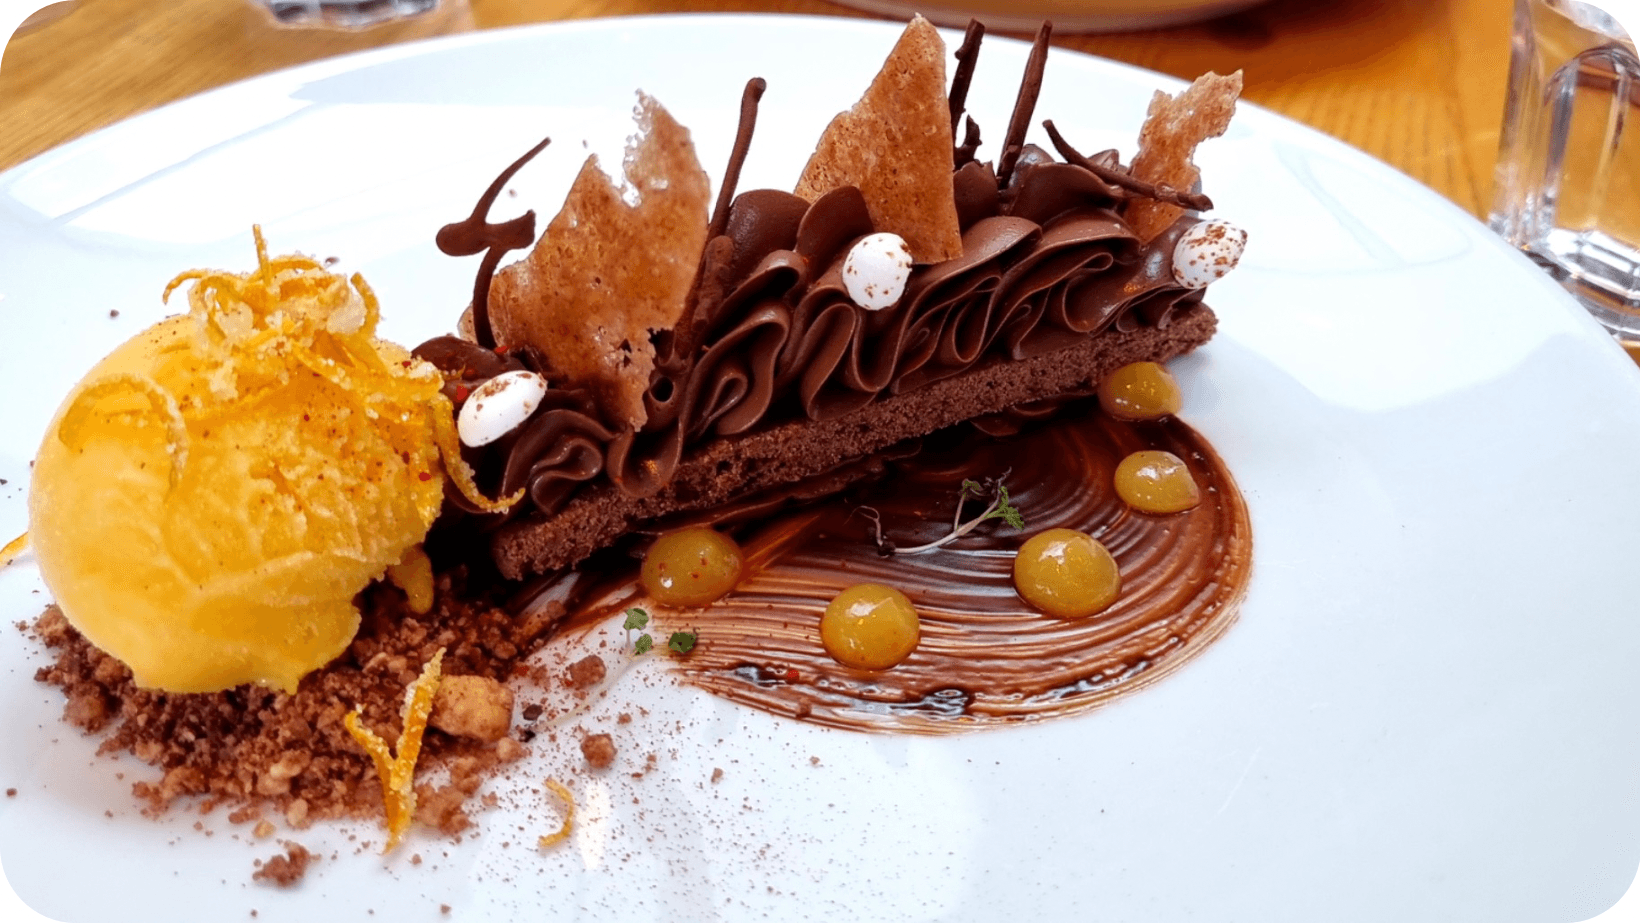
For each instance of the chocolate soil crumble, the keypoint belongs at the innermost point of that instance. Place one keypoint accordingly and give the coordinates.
(288, 754)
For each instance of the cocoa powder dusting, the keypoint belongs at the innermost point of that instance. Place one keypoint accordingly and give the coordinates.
(289, 753)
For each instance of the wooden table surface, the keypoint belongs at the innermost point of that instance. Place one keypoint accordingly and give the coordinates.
(1416, 83)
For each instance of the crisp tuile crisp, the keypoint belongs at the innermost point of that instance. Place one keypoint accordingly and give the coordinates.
(1173, 127)
(606, 274)
(895, 145)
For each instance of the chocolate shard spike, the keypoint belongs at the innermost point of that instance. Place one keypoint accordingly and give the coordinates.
(680, 346)
(967, 56)
(970, 143)
(1120, 178)
(1024, 105)
(749, 98)
(475, 233)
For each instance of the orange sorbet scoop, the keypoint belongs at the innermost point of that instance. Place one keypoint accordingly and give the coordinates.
(211, 497)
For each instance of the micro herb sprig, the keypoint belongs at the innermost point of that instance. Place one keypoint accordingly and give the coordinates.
(638, 618)
(1000, 508)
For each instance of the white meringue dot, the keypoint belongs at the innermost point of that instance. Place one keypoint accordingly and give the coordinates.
(1206, 252)
(876, 270)
(498, 406)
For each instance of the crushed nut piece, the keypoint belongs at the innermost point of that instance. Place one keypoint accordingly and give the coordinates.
(472, 707)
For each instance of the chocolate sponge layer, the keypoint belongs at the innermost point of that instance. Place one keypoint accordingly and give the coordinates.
(724, 470)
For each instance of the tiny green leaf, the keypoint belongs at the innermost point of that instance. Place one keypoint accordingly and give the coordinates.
(636, 618)
(999, 508)
(643, 644)
(1007, 510)
(681, 642)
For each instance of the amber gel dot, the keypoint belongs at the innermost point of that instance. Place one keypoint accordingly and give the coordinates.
(1066, 573)
(1156, 481)
(870, 626)
(692, 566)
(1140, 391)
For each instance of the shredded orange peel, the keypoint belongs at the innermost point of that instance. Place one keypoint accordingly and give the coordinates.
(564, 796)
(397, 768)
(292, 314)
(414, 575)
(12, 549)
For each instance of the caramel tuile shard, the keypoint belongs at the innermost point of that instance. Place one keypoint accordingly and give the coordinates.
(895, 145)
(606, 274)
(397, 769)
(1168, 139)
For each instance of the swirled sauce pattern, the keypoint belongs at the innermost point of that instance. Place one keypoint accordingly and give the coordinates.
(986, 658)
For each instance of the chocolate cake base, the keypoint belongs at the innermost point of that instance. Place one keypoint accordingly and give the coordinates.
(727, 469)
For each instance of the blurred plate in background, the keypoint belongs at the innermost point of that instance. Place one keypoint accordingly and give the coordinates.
(1066, 15)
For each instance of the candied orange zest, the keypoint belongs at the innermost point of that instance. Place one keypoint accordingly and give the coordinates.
(414, 575)
(12, 549)
(397, 769)
(372, 307)
(566, 797)
(449, 447)
(290, 315)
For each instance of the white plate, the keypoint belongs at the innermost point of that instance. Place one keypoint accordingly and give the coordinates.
(1426, 711)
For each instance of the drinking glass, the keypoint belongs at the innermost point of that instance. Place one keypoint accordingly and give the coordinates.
(1568, 172)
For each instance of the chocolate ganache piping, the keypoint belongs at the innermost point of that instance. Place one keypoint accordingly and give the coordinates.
(771, 334)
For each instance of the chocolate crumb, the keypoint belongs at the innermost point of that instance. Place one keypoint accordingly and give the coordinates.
(11, 792)
(589, 671)
(286, 869)
(113, 312)
(599, 750)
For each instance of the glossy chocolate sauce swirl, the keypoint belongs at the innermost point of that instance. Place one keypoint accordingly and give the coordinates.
(986, 658)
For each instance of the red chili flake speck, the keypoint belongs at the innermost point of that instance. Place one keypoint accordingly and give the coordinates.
(791, 675)
(462, 392)
(425, 476)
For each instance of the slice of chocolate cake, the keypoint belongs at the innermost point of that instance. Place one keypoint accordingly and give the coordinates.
(903, 288)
